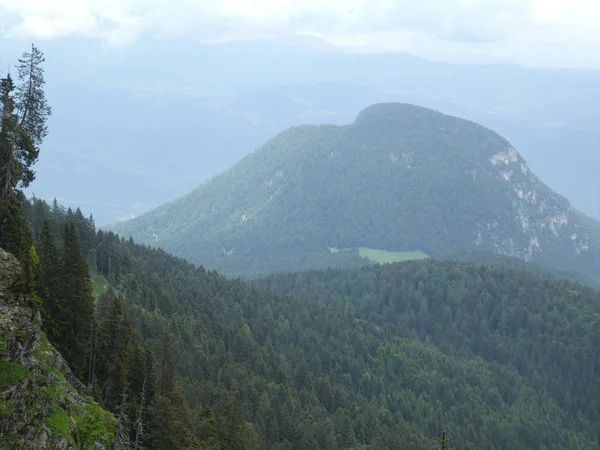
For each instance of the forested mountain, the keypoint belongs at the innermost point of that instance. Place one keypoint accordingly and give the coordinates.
(117, 109)
(401, 178)
(379, 357)
(156, 353)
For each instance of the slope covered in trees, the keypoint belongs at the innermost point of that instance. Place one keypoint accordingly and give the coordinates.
(536, 335)
(381, 357)
(400, 178)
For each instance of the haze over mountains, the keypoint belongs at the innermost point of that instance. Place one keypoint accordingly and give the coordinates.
(247, 314)
(401, 178)
(126, 119)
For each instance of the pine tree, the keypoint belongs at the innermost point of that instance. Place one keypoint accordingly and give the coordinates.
(17, 150)
(16, 155)
(151, 381)
(116, 343)
(50, 286)
(444, 442)
(167, 366)
(32, 107)
(23, 115)
(16, 238)
(79, 303)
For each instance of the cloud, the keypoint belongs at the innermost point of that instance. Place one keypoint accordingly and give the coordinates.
(529, 23)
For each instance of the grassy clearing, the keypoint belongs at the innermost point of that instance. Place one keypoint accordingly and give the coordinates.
(386, 257)
(100, 285)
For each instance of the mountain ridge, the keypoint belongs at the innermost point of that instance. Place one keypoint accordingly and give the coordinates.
(400, 177)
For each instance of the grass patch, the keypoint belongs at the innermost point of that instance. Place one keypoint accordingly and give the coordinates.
(93, 425)
(10, 373)
(387, 257)
(58, 421)
(100, 285)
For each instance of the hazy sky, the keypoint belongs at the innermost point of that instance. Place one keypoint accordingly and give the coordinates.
(548, 32)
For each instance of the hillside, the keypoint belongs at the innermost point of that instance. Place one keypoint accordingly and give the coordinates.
(401, 178)
(381, 357)
(524, 332)
(42, 404)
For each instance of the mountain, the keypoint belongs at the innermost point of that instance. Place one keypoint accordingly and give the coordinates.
(401, 178)
(42, 404)
(132, 114)
(372, 358)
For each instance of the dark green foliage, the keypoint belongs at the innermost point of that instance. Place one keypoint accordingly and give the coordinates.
(400, 178)
(50, 285)
(75, 335)
(444, 442)
(172, 419)
(167, 367)
(31, 104)
(375, 358)
(17, 149)
(115, 344)
(23, 114)
(15, 237)
(526, 345)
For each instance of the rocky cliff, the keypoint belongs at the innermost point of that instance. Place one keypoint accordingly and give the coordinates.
(42, 404)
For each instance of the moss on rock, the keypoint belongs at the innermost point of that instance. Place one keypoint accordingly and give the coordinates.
(41, 402)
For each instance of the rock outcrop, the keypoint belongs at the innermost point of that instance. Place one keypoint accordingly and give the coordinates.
(42, 404)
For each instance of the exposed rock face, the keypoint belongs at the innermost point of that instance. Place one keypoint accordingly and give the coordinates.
(400, 178)
(541, 218)
(41, 402)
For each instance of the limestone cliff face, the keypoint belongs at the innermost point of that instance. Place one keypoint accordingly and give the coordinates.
(42, 405)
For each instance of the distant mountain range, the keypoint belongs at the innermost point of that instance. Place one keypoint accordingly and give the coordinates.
(400, 182)
(141, 125)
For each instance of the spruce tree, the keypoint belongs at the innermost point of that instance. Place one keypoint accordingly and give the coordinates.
(444, 442)
(16, 154)
(116, 343)
(167, 366)
(79, 303)
(23, 114)
(50, 286)
(31, 103)
(17, 150)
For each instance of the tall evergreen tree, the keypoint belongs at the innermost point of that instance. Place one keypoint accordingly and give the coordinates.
(444, 442)
(17, 153)
(79, 302)
(23, 114)
(17, 150)
(167, 366)
(116, 342)
(31, 103)
(50, 286)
